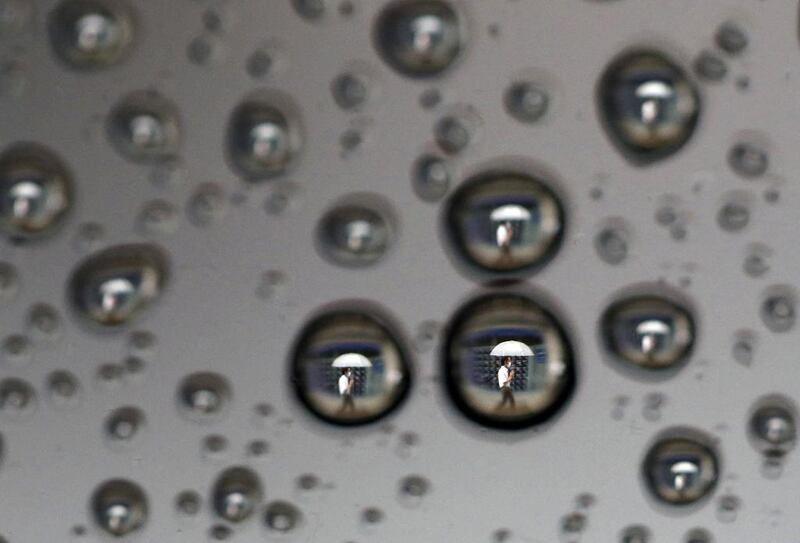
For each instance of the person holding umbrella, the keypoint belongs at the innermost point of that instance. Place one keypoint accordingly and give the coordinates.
(346, 383)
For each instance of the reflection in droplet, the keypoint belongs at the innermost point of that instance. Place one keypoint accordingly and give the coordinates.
(263, 140)
(91, 34)
(144, 127)
(35, 190)
(124, 423)
(773, 428)
(635, 534)
(748, 159)
(119, 507)
(282, 516)
(348, 368)
(112, 286)
(204, 393)
(526, 101)
(682, 469)
(508, 362)
(419, 38)
(648, 331)
(354, 235)
(648, 105)
(237, 492)
(430, 178)
(778, 309)
(505, 222)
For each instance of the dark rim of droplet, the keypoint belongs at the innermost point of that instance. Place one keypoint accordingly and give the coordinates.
(21, 159)
(146, 103)
(62, 19)
(125, 256)
(362, 311)
(120, 492)
(455, 324)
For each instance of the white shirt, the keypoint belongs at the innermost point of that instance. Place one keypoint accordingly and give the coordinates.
(502, 377)
(503, 236)
(344, 384)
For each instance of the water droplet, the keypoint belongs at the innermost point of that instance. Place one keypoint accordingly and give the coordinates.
(203, 394)
(112, 286)
(419, 38)
(355, 235)
(648, 105)
(526, 101)
(756, 261)
(710, 66)
(681, 469)
(63, 387)
(214, 444)
(259, 64)
(748, 159)
(205, 49)
(430, 98)
(698, 535)
(141, 341)
(124, 424)
(270, 282)
(145, 127)
(349, 367)
(744, 347)
(119, 506)
(237, 492)
(257, 447)
(311, 10)
(372, 515)
(413, 488)
(110, 374)
(308, 481)
(35, 190)
(158, 217)
(220, 18)
(282, 516)
(264, 137)
(611, 243)
(453, 133)
(350, 90)
(430, 178)
(207, 205)
(9, 281)
(188, 502)
(91, 34)
(778, 309)
(17, 396)
(17, 348)
(635, 534)
(44, 321)
(505, 222)
(508, 362)
(728, 508)
(731, 38)
(649, 332)
(574, 523)
(772, 428)
(733, 216)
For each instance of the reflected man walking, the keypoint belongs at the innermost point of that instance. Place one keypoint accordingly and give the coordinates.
(346, 382)
(505, 375)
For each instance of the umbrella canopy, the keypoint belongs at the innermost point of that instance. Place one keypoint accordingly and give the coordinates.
(510, 212)
(511, 348)
(351, 360)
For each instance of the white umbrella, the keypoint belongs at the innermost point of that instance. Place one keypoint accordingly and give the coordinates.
(511, 348)
(510, 212)
(351, 360)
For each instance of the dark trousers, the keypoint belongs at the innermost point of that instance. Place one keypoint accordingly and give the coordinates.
(347, 402)
(508, 397)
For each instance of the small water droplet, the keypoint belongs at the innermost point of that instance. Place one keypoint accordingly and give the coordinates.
(120, 507)
(453, 133)
(636, 534)
(350, 90)
(63, 387)
(682, 468)
(430, 98)
(430, 178)
(698, 535)
(207, 205)
(17, 348)
(257, 447)
(413, 488)
(203, 394)
(772, 428)
(214, 444)
(526, 101)
(144, 127)
(281, 516)
(611, 243)
(220, 532)
(744, 346)
(710, 66)
(236, 494)
(204, 49)
(372, 515)
(188, 502)
(158, 217)
(756, 261)
(311, 10)
(748, 159)
(419, 38)
(728, 508)
(124, 424)
(17, 397)
(731, 38)
(574, 523)
(778, 311)
(14, 79)
(733, 216)
(355, 235)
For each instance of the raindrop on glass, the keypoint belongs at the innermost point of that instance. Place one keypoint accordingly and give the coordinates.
(453, 133)
(748, 159)
(772, 427)
(44, 321)
(207, 205)
(710, 66)
(778, 311)
(430, 178)
(526, 101)
(731, 38)
(649, 332)
(63, 387)
(112, 286)
(35, 191)
(350, 90)
(419, 38)
(204, 394)
(355, 235)
(145, 127)
(681, 469)
(733, 216)
(282, 516)
(311, 10)
(611, 244)
(349, 367)
(188, 502)
(648, 105)
(698, 535)
(124, 423)
(16, 396)
(505, 222)
(119, 507)
(236, 494)
(91, 34)
(635, 534)
(508, 363)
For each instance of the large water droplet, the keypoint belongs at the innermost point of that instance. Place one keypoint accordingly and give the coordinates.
(508, 363)
(681, 469)
(648, 331)
(145, 127)
(349, 368)
(35, 190)
(264, 137)
(119, 506)
(419, 38)
(505, 222)
(203, 394)
(355, 235)
(91, 34)
(112, 286)
(237, 492)
(648, 105)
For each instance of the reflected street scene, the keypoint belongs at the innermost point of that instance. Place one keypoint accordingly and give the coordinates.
(348, 368)
(508, 364)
